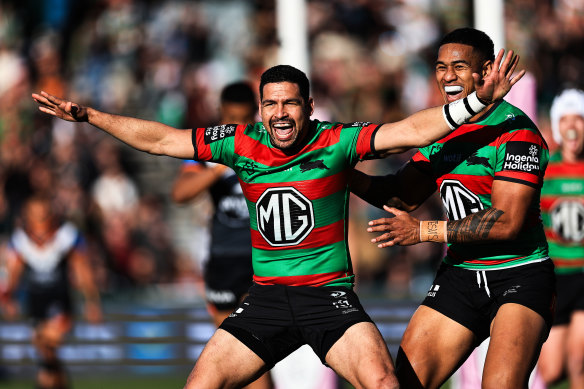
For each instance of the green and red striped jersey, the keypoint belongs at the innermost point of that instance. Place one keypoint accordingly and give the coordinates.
(503, 145)
(298, 201)
(562, 207)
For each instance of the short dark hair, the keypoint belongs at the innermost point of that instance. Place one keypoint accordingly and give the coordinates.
(286, 73)
(472, 37)
(238, 92)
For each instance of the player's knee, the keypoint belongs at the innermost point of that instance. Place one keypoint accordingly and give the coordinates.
(550, 372)
(504, 380)
(385, 380)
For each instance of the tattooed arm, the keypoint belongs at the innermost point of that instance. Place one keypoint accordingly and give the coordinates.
(503, 221)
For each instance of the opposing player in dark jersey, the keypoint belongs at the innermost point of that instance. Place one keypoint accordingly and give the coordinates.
(496, 279)
(294, 173)
(562, 206)
(228, 271)
(44, 254)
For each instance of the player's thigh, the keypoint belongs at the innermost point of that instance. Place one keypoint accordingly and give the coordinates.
(225, 363)
(553, 354)
(361, 356)
(432, 348)
(517, 333)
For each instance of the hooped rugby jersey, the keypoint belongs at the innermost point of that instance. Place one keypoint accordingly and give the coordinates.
(298, 202)
(562, 207)
(46, 266)
(504, 145)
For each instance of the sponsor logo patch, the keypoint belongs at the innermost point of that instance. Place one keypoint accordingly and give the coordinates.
(522, 157)
(356, 124)
(213, 134)
(284, 216)
(433, 290)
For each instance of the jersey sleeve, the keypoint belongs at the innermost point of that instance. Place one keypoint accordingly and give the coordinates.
(216, 144)
(361, 136)
(522, 157)
(421, 161)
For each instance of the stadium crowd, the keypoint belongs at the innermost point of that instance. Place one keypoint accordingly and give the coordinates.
(167, 60)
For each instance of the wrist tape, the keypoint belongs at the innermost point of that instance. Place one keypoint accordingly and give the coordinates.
(459, 111)
(433, 231)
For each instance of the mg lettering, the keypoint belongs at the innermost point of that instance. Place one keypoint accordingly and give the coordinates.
(458, 200)
(284, 216)
(568, 220)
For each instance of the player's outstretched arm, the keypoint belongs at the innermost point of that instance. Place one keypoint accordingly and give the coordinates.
(429, 125)
(149, 136)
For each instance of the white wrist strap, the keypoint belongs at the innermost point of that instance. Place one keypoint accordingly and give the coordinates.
(459, 111)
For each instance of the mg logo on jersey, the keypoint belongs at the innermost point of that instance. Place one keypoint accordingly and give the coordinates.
(458, 200)
(284, 216)
(568, 220)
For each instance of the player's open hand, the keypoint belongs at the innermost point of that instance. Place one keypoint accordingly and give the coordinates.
(499, 81)
(400, 230)
(62, 109)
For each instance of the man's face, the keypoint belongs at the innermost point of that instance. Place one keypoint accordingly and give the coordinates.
(237, 113)
(37, 217)
(285, 114)
(572, 131)
(454, 68)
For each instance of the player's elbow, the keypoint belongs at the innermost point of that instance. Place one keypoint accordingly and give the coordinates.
(508, 232)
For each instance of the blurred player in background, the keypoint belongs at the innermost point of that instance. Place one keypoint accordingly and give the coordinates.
(50, 257)
(496, 278)
(562, 205)
(228, 273)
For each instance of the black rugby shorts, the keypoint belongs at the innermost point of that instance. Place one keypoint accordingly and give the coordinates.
(275, 320)
(570, 296)
(227, 280)
(472, 298)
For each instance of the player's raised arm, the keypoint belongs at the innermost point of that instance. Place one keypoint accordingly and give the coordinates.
(149, 136)
(429, 125)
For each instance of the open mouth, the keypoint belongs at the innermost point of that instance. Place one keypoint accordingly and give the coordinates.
(453, 92)
(283, 131)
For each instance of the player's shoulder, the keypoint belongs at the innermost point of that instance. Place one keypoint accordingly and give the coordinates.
(512, 116)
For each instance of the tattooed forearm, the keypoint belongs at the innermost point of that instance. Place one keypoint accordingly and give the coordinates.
(475, 227)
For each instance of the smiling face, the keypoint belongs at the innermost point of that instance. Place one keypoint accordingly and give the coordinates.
(454, 68)
(285, 114)
(572, 131)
